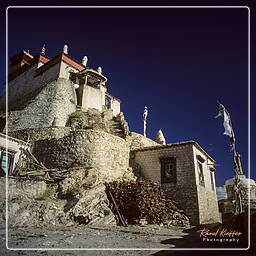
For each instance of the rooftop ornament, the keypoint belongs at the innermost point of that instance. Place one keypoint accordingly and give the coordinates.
(160, 137)
(99, 70)
(145, 115)
(43, 50)
(65, 49)
(85, 60)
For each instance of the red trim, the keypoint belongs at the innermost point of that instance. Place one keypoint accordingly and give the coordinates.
(43, 58)
(72, 62)
(47, 64)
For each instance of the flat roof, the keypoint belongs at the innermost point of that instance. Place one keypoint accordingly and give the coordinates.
(14, 139)
(25, 67)
(57, 59)
(177, 144)
(109, 94)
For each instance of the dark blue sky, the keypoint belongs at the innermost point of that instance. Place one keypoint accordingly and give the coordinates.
(176, 61)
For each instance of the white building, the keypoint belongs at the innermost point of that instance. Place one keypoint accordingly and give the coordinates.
(10, 153)
(42, 90)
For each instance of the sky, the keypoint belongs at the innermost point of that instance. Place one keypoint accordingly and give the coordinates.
(176, 61)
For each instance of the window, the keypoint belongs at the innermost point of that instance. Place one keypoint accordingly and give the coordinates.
(81, 81)
(108, 102)
(6, 162)
(200, 171)
(168, 170)
(72, 76)
(212, 178)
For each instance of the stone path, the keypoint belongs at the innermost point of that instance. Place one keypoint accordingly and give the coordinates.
(157, 240)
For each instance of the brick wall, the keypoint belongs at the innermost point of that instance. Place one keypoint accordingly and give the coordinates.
(198, 203)
(207, 197)
(184, 191)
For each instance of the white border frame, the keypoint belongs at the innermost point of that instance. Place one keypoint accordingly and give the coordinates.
(131, 249)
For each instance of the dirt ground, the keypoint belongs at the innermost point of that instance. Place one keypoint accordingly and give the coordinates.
(131, 240)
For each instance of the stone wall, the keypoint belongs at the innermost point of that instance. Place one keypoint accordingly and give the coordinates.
(184, 191)
(115, 106)
(65, 70)
(191, 197)
(148, 158)
(207, 167)
(208, 206)
(92, 98)
(138, 141)
(65, 148)
(24, 84)
(207, 197)
(55, 101)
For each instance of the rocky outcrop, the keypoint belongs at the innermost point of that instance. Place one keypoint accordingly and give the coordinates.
(78, 199)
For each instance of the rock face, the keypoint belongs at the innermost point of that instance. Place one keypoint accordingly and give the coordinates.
(80, 198)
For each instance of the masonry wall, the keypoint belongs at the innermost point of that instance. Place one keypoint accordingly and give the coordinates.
(14, 146)
(65, 70)
(56, 100)
(92, 98)
(115, 107)
(208, 206)
(138, 141)
(185, 190)
(207, 197)
(65, 148)
(21, 87)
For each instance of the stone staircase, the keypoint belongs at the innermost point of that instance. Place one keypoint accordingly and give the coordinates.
(116, 128)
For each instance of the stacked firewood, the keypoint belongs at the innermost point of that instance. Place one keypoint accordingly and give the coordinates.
(144, 200)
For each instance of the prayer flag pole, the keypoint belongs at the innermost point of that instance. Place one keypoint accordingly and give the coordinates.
(145, 115)
(236, 157)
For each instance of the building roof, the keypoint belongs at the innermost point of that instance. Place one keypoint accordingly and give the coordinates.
(38, 58)
(48, 62)
(60, 57)
(183, 143)
(14, 139)
(110, 95)
(19, 56)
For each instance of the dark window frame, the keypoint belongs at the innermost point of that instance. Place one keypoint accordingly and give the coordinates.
(212, 179)
(200, 170)
(9, 163)
(108, 102)
(166, 163)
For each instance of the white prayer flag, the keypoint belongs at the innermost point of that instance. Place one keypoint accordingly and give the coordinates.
(227, 125)
(227, 122)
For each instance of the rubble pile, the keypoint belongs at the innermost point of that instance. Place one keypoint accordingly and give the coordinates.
(142, 202)
(79, 198)
(87, 202)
